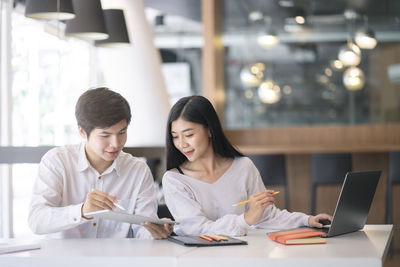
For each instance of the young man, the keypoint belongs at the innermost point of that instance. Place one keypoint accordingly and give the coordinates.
(94, 175)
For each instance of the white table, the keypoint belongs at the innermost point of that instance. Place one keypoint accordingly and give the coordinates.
(365, 248)
(360, 249)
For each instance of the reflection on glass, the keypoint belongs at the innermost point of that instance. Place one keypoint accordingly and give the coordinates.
(365, 39)
(350, 55)
(268, 39)
(313, 87)
(251, 76)
(353, 78)
(336, 64)
(269, 92)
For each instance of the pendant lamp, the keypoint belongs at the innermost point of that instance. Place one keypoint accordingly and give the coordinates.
(268, 39)
(353, 78)
(365, 39)
(89, 21)
(49, 9)
(269, 92)
(116, 26)
(350, 54)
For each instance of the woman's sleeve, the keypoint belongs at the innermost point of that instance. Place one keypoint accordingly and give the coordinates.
(188, 212)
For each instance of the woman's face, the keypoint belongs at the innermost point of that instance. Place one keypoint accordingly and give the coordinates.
(191, 139)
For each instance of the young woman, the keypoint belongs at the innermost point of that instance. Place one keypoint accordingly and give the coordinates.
(206, 175)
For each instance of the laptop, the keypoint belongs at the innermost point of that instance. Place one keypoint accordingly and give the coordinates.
(354, 202)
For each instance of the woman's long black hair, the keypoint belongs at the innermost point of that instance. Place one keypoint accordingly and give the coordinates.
(197, 109)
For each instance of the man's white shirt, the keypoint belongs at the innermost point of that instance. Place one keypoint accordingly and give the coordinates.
(64, 179)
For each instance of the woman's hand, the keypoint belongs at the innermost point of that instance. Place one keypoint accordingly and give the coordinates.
(258, 203)
(159, 231)
(319, 220)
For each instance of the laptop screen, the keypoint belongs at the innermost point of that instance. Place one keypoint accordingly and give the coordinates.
(354, 202)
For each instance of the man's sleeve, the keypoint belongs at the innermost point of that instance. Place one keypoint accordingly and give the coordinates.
(45, 214)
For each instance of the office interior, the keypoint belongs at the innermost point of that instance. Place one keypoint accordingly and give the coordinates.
(293, 82)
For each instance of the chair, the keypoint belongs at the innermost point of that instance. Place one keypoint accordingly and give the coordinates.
(272, 169)
(153, 164)
(162, 211)
(328, 169)
(393, 178)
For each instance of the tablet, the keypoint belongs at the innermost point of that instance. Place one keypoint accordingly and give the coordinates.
(195, 241)
(125, 217)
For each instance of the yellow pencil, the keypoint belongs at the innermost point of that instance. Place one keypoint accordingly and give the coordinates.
(205, 238)
(247, 201)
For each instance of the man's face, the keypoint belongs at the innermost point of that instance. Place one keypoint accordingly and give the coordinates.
(104, 144)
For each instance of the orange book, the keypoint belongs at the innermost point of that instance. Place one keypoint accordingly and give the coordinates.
(298, 237)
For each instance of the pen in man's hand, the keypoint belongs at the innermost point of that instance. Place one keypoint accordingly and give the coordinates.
(119, 206)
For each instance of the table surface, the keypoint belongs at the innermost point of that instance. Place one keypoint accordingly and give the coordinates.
(363, 248)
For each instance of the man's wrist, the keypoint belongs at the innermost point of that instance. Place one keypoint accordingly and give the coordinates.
(83, 216)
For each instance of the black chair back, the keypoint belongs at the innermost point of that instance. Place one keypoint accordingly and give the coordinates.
(272, 169)
(328, 168)
(393, 178)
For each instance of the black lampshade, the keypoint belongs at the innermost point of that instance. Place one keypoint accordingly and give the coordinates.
(159, 20)
(89, 21)
(116, 26)
(49, 9)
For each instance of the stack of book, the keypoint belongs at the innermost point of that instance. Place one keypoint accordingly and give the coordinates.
(298, 237)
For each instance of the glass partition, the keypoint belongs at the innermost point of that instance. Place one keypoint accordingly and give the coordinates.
(295, 63)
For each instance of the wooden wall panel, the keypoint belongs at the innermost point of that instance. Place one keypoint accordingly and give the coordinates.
(213, 55)
(357, 138)
(298, 175)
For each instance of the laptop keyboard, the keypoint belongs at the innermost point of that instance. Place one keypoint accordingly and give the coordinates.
(324, 229)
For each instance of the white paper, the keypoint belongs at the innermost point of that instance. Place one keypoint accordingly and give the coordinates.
(16, 245)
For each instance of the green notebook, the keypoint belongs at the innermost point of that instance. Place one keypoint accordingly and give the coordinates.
(196, 241)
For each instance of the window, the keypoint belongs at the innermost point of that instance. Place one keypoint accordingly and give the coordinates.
(48, 75)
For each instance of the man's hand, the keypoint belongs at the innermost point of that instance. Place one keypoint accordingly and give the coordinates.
(319, 220)
(159, 231)
(258, 203)
(98, 200)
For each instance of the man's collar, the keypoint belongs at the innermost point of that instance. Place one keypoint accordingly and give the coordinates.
(84, 163)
